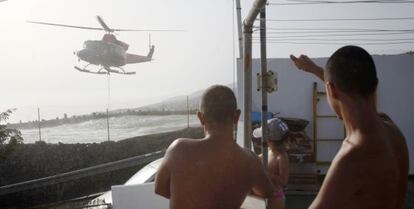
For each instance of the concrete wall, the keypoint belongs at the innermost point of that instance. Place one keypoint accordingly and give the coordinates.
(294, 97)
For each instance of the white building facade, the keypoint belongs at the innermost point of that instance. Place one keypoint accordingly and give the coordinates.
(294, 98)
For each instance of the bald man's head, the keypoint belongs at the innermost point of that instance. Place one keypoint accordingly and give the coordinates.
(218, 104)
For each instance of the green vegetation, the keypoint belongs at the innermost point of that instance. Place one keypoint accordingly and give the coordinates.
(10, 139)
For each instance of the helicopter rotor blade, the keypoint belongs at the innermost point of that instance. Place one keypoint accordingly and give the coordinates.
(145, 30)
(67, 26)
(104, 25)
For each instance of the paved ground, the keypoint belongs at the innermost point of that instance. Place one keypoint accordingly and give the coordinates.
(409, 199)
(299, 201)
(303, 201)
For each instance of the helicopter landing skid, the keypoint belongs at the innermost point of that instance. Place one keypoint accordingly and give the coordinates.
(107, 69)
(110, 70)
(88, 71)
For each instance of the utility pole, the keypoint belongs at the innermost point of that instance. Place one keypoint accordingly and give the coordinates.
(239, 28)
(38, 120)
(263, 59)
(107, 123)
(241, 49)
(109, 103)
(188, 114)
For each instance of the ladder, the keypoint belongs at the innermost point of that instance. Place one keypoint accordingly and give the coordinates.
(303, 179)
(317, 117)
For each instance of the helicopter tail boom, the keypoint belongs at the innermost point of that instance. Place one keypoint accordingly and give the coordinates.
(134, 58)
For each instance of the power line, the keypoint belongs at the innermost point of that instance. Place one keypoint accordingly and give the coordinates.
(339, 2)
(349, 39)
(353, 1)
(332, 30)
(338, 43)
(340, 19)
(340, 29)
(335, 31)
(341, 35)
(345, 33)
(324, 1)
(351, 29)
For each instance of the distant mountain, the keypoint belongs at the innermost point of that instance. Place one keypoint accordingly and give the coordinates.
(178, 103)
(174, 105)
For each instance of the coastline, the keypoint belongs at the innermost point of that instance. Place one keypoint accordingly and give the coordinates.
(94, 116)
(96, 131)
(33, 161)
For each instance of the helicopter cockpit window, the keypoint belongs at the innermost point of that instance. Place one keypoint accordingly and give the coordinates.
(88, 44)
(91, 45)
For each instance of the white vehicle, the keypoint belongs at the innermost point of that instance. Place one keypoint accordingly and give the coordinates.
(138, 192)
(145, 175)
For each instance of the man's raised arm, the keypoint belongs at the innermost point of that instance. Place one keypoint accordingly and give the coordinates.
(304, 63)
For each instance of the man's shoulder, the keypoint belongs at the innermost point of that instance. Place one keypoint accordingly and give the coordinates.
(397, 139)
(360, 159)
(390, 125)
(394, 136)
(348, 155)
(247, 152)
(250, 157)
(177, 148)
(181, 143)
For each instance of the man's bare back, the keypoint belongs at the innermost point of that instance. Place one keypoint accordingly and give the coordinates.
(207, 173)
(371, 168)
(213, 172)
(369, 171)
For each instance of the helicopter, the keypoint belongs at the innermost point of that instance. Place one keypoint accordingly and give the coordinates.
(109, 53)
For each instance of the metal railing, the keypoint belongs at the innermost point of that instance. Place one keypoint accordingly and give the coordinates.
(85, 172)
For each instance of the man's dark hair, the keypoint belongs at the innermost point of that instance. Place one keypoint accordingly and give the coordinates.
(218, 104)
(352, 70)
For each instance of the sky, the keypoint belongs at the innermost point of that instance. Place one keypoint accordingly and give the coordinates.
(37, 61)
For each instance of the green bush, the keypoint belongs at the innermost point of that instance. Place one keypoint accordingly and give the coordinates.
(10, 139)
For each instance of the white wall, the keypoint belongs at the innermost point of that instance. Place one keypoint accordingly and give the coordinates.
(294, 96)
(395, 94)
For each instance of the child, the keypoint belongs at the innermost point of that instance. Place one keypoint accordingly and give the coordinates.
(278, 161)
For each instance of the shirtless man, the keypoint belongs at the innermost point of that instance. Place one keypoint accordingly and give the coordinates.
(213, 172)
(371, 168)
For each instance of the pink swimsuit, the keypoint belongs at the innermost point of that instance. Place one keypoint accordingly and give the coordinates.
(280, 194)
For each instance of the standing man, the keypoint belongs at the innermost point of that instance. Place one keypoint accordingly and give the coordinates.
(213, 172)
(371, 168)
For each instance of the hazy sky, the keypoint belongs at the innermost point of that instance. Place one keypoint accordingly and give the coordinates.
(37, 61)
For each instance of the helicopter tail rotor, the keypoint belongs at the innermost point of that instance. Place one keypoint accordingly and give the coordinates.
(151, 47)
(149, 41)
(151, 52)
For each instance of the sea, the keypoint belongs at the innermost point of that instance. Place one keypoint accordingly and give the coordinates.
(122, 127)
